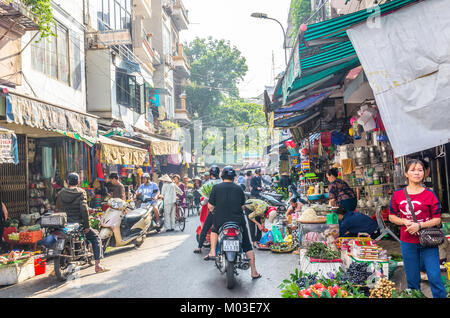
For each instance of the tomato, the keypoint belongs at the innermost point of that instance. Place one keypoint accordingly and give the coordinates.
(336, 288)
(319, 285)
(307, 292)
(344, 293)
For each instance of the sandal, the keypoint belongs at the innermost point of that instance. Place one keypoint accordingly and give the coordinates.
(197, 251)
(103, 270)
(259, 276)
(209, 258)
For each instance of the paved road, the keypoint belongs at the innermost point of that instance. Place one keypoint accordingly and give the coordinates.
(163, 267)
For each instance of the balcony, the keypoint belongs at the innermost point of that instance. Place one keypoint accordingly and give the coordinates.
(143, 8)
(16, 17)
(142, 45)
(181, 62)
(176, 9)
(180, 15)
(181, 113)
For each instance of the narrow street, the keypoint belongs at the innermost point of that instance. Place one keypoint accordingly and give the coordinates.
(163, 267)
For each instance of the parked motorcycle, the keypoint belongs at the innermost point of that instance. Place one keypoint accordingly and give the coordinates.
(121, 227)
(146, 202)
(230, 255)
(70, 248)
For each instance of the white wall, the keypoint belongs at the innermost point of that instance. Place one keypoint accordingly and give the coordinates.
(99, 80)
(45, 87)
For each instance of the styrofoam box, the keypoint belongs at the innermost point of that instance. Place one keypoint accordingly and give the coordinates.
(16, 273)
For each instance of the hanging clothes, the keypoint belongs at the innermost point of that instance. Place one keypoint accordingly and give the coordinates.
(47, 162)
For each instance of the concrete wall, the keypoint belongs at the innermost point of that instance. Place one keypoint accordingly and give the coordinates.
(99, 81)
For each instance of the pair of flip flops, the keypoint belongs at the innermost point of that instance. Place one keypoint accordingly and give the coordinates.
(259, 276)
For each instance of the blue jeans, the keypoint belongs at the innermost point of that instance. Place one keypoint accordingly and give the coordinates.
(414, 258)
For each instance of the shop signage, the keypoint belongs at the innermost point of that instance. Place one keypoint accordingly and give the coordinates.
(7, 141)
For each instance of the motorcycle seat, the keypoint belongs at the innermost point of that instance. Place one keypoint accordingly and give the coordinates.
(134, 216)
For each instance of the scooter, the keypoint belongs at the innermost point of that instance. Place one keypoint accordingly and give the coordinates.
(203, 215)
(121, 227)
(230, 255)
(147, 204)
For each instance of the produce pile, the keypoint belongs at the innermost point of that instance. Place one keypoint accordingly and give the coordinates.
(306, 285)
(357, 273)
(383, 289)
(13, 257)
(319, 250)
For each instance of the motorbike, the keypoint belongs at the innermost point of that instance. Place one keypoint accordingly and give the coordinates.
(121, 227)
(230, 255)
(70, 248)
(203, 214)
(146, 203)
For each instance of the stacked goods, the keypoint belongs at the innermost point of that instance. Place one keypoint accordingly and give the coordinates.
(383, 289)
(30, 237)
(368, 251)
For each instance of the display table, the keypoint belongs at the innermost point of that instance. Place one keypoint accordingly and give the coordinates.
(306, 266)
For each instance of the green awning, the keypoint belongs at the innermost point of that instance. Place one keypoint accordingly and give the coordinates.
(324, 50)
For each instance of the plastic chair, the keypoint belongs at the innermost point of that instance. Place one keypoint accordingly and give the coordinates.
(384, 229)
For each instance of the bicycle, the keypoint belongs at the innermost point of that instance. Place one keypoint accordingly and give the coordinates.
(180, 218)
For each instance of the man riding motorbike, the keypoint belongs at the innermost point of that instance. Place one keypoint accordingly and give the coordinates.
(73, 201)
(146, 189)
(214, 173)
(226, 203)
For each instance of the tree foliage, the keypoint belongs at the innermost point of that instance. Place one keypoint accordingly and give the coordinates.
(216, 69)
(42, 11)
(300, 12)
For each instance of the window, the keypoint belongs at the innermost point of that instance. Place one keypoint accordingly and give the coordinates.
(75, 61)
(51, 56)
(63, 54)
(122, 87)
(114, 14)
(166, 42)
(128, 92)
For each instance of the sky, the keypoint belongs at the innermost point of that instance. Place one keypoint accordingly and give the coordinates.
(257, 39)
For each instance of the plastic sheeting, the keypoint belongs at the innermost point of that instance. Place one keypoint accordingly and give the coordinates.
(407, 63)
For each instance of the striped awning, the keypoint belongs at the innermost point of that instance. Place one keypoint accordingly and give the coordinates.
(324, 51)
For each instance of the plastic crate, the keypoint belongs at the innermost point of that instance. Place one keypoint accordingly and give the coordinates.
(7, 231)
(39, 266)
(30, 237)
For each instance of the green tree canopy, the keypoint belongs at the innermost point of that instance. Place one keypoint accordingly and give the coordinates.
(216, 69)
(300, 12)
(42, 11)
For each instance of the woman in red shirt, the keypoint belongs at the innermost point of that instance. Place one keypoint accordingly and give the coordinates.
(428, 213)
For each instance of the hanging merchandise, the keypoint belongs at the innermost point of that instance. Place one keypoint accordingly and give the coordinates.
(366, 118)
(337, 138)
(47, 162)
(325, 138)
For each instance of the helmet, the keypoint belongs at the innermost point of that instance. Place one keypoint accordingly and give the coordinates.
(214, 171)
(258, 170)
(228, 173)
(73, 179)
(146, 175)
(197, 178)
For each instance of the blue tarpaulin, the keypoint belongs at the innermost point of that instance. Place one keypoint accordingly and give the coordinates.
(304, 103)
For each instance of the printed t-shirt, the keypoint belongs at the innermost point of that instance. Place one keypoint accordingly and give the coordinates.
(426, 206)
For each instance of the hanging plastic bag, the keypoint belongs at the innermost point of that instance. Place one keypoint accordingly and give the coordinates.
(277, 236)
(268, 237)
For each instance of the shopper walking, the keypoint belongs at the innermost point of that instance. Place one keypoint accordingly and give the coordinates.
(428, 214)
(169, 192)
(181, 197)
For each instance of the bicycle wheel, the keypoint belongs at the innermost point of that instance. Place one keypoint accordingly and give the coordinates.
(180, 220)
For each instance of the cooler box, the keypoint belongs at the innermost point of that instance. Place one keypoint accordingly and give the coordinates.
(17, 272)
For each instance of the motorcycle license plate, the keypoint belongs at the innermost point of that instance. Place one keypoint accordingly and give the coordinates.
(60, 245)
(231, 246)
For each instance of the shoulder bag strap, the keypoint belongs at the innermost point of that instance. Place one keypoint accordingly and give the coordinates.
(411, 207)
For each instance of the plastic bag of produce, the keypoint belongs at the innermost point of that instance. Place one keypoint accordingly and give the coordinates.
(277, 236)
(268, 237)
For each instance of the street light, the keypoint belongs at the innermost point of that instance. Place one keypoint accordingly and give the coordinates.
(260, 15)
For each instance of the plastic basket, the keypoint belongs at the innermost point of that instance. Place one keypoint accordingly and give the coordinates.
(39, 266)
(30, 237)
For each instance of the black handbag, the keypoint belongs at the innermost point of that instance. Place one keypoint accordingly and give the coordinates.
(429, 237)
